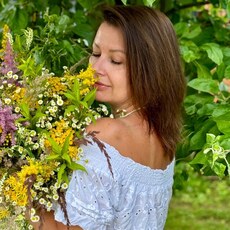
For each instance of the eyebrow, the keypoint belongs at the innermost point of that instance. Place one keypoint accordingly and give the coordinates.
(112, 50)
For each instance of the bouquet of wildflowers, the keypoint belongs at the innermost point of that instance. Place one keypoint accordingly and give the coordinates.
(42, 120)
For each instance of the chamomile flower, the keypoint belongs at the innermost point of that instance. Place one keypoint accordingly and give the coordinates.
(17, 109)
(40, 102)
(55, 197)
(15, 77)
(60, 102)
(35, 218)
(64, 186)
(7, 101)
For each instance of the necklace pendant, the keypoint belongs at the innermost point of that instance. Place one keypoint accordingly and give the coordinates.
(121, 113)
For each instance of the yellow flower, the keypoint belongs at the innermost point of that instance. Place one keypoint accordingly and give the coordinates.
(18, 94)
(87, 76)
(4, 213)
(6, 31)
(15, 187)
(86, 79)
(59, 135)
(16, 191)
(73, 152)
(56, 86)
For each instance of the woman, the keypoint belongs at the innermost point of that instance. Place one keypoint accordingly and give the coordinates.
(136, 59)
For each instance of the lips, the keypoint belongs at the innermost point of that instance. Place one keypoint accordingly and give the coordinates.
(100, 85)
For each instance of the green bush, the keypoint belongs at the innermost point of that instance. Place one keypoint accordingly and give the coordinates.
(59, 33)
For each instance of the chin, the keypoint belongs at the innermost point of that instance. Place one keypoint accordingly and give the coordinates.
(101, 98)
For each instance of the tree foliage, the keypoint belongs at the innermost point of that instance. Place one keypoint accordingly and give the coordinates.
(61, 33)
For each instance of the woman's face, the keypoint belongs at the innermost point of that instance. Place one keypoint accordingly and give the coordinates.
(109, 61)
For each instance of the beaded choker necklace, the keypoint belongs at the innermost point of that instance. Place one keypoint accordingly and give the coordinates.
(121, 113)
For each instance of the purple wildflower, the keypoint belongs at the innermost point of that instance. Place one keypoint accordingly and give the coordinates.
(8, 63)
(7, 123)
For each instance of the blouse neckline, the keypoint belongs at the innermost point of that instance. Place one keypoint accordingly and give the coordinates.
(131, 170)
(137, 163)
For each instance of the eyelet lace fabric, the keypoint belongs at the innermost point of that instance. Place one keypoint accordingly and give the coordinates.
(136, 198)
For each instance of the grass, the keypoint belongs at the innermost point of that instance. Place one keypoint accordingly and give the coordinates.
(203, 204)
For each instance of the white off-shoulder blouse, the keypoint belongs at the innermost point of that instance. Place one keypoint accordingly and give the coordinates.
(135, 197)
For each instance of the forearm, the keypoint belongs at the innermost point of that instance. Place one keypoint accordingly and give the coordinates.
(48, 222)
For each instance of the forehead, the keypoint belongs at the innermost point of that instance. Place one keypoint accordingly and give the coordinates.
(110, 36)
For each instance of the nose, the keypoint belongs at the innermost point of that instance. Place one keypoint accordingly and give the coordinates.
(98, 65)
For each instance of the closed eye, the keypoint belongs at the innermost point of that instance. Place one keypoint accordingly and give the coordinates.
(116, 62)
(96, 54)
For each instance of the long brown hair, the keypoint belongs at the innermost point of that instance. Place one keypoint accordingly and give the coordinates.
(154, 68)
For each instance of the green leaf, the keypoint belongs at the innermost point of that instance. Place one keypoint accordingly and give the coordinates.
(196, 99)
(84, 104)
(225, 141)
(65, 150)
(55, 147)
(66, 157)
(31, 155)
(190, 109)
(63, 22)
(198, 140)
(21, 17)
(220, 71)
(66, 144)
(183, 149)
(25, 110)
(205, 85)
(90, 97)
(124, 2)
(85, 31)
(206, 109)
(219, 169)
(61, 171)
(68, 46)
(214, 52)
(227, 72)
(200, 158)
(228, 10)
(148, 2)
(189, 51)
(223, 122)
(37, 115)
(74, 166)
(191, 31)
(70, 96)
(180, 27)
(65, 177)
(210, 138)
(87, 4)
(53, 157)
(202, 71)
(226, 51)
(76, 89)
(220, 110)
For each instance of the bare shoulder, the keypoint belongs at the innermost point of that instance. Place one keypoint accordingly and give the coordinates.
(106, 128)
(131, 140)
